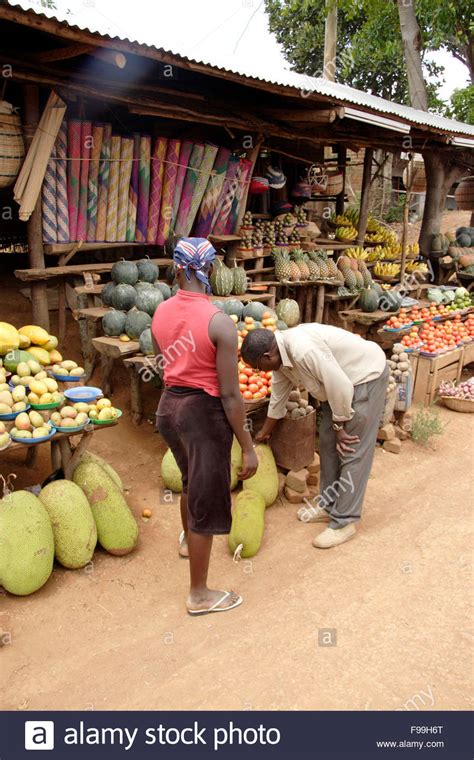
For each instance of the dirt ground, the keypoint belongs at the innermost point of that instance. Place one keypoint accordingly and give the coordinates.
(396, 600)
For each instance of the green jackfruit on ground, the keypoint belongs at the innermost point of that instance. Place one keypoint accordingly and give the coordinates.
(265, 480)
(235, 463)
(74, 529)
(117, 530)
(26, 543)
(88, 456)
(248, 523)
(171, 473)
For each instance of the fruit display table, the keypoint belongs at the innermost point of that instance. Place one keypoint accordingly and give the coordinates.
(137, 365)
(66, 448)
(111, 349)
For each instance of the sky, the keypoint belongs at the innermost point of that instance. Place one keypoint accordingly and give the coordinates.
(229, 33)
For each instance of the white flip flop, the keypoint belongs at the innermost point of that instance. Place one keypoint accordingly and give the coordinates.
(215, 607)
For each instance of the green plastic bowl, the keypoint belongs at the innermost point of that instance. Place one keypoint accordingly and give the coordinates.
(107, 422)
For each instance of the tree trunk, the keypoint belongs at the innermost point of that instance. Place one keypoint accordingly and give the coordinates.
(411, 38)
(440, 175)
(330, 41)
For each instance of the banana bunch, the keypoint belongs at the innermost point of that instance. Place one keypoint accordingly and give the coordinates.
(416, 266)
(346, 233)
(385, 269)
(373, 225)
(377, 253)
(356, 253)
(341, 220)
(353, 215)
(413, 250)
(391, 253)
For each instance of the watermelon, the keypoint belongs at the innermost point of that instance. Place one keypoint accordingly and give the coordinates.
(254, 309)
(234, 307)
(219, 305)
(124, 297)
(149, 300)
(142, 285)
(146, 345)
(164, 289)
(280, 325)
(390, 301)
(369, 300)
(135, 322)
(288, 311)
(113, 323)
(107, 291)
(147, 270)
(125, 272)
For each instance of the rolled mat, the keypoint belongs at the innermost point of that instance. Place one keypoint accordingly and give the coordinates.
(167, 196)
(203, 222)
(125, 173)
(73, 174)
(133, 190)
(245, 170)
(190, 181)
(157, 169)
(86, 145)
(143, 189)
(62, 212)
(93, 185)
(112, 196)
(48, 201)
(184, 156)
(226, 197)
(103, 189)
(205, 168)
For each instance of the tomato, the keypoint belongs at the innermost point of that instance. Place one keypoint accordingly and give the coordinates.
(248, 371)
(253, 387)
(257, 395)
(253, 377)
(259, 382)
(242, 378)
(247, 394)
(242, 387)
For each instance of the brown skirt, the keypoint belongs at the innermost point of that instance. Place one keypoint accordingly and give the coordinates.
(196, 429)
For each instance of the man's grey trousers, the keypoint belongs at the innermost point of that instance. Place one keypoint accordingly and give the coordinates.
(344, 480)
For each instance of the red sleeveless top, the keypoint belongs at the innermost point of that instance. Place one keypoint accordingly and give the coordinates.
(181, 328)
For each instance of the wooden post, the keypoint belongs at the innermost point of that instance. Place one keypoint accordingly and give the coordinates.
(34, 225)
(406, 209)
(341, 165)
(252, 156)
(365, 196)
(319, 304)
(330, 41)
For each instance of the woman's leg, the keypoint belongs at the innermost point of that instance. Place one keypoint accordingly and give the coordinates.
(183, 544)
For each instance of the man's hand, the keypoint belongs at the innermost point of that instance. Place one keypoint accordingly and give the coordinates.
(249, 464)
(262, 436)
(344, 441)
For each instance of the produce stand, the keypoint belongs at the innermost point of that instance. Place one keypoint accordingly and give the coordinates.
(136, 364)
(111, 349)
(430, 372)
(65, 448)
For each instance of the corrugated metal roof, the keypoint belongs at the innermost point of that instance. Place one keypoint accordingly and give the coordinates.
(305, 84)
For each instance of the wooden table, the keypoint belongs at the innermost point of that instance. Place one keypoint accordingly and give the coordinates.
(139, 367)
(65, 453)
(111, 349)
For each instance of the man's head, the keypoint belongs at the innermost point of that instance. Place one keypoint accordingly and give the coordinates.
(193, 258)
(260, 350)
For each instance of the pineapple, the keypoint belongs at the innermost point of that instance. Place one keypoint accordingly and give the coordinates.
(299, 258)
(366, 276)
(314, 268)
(359, 280)
(282, 265)
(295, 273)
(350, 280)
(333, 270)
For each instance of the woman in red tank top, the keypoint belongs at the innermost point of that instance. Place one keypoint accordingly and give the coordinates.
(199, 411)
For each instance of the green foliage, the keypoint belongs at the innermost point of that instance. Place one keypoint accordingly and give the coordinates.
(395, 212)
(462, 104)
(425, 424)
(370, 51)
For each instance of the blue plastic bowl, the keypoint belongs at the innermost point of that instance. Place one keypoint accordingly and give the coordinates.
(68, 378)
(12, 415)
(85, 393)
(34, 441)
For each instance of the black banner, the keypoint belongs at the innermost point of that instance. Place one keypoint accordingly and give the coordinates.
(324, 735)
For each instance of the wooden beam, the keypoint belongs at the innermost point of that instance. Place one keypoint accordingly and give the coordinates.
(112, 57)
(63, 53)
(365, 196)
(306, 115)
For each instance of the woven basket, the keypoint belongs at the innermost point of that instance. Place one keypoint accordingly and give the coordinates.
(464, 194)
(335, 183)
(12, 148)
(458, 404)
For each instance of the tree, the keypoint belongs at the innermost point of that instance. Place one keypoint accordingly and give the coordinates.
(462, 104)
(412, 47)
(370, 49)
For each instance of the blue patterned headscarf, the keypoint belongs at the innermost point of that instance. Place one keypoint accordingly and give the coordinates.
(195, 254)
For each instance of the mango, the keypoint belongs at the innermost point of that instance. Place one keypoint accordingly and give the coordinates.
(51, 384)
(5, 408)
(35, 334)
(22, 422)
(117, 530)
(4, 387)
(33, 398)
(23, 370)
(15, 380)
(248, 523)
(24, 341)
(41, 432)
(38, 386)
(41, 375)
(2, 427)
(20, 406)
(18, 393)
(56, 396)
(74, 528)
(265, 481)
(36, 419)
(55, 357)
(69, 411)
(26, 381)
(77, 372)
(46, 398)
(68, 364)
(40, 354)
(26, 543)
(15, 433)
(6, 398)
(34, 367)
(4, 439)
(51, 344)
(103, 402)
(170, 473)
(56, 418)
(106, 413)
(81, 406)
(81, 418)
